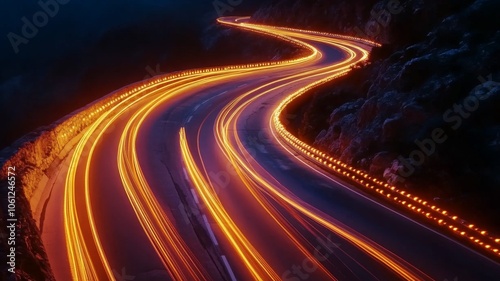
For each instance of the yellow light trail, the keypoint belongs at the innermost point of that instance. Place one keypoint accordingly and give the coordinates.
(174, 253)
(176, 256)
(83, 267)
(458, 227)
(257, 266)
(390, 260)
(81, 262)
(173, 249)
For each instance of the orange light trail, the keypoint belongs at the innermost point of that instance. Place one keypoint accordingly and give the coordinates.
(459, 228)
(428, 211)
(82, 236)
(228, 118)
(257, 266)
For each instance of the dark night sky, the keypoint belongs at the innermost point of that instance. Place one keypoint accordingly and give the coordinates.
(78, 23)
(83, 40)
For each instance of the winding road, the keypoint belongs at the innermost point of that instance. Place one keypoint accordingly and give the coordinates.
(192, 176)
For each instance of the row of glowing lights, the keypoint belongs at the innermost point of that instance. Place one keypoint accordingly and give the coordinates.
(351, 38)
(89, 116)
(250, 257)
(320, 33)
(431, 212)
(82, 267)
(327, 34)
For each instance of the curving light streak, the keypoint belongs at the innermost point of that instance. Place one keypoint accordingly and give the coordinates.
(176, 256)
(180, 262)
(458, 227)
(82, 265)
(222, 132)
(228, 117)
(463, 230)
(257, 266)
(81, 252)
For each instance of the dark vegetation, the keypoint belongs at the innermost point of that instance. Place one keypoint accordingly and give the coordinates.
(91, 49)
(437, 57)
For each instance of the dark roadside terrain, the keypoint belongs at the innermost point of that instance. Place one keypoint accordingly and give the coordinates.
(87, 50)
(423, 112)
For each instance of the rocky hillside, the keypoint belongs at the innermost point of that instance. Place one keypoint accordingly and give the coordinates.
(30, 261)
(423, 112)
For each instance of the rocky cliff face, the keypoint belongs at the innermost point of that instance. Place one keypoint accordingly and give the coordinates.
(424, 111)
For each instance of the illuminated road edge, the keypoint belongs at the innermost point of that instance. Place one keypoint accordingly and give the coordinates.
(99, 117)
(464, 231)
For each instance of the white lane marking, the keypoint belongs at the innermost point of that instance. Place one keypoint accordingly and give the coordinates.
(196, 107)
(282, 165)
(207, 100)
(189, 119)
(262, 149)
(185, 174)
(243, 85)
(210, 232)
(228, 267)
(195, 196)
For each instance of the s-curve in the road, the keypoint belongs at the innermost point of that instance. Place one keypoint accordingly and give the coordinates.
(191, 176)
